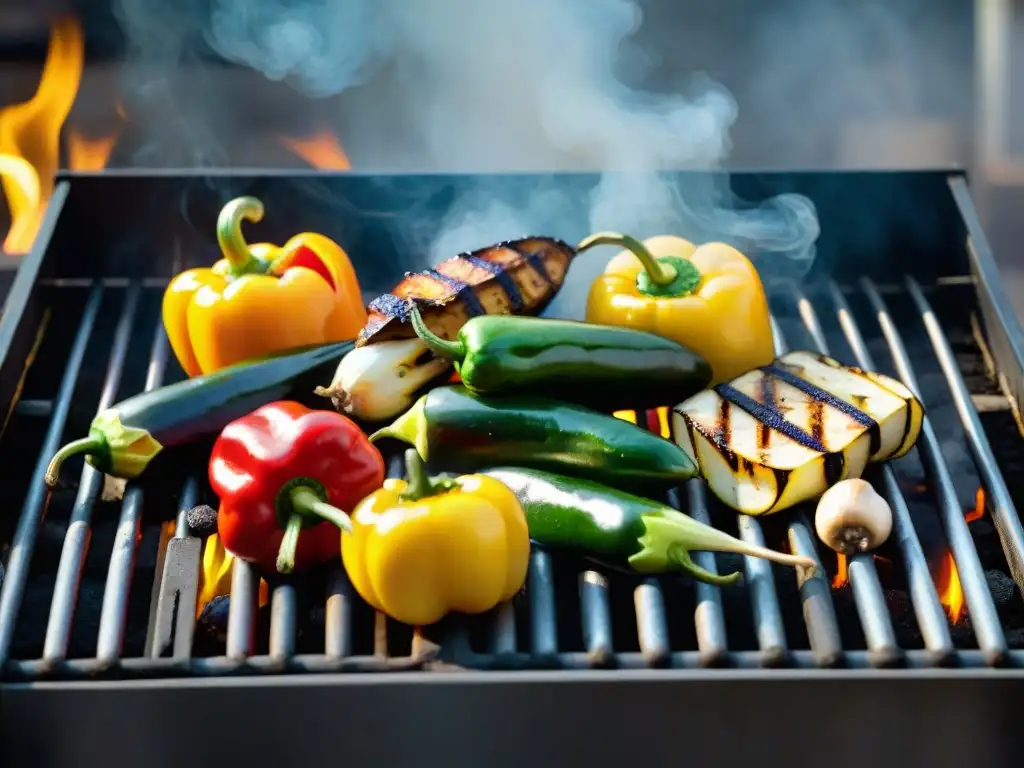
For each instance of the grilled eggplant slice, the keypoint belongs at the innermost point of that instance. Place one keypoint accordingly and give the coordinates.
(786, 432)
(517, 277)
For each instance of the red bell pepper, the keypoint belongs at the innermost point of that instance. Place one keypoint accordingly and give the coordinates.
(284, 475)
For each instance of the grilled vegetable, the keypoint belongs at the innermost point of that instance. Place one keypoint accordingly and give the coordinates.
(420, 549)
(260, 299)
(708, 298)
(378, 381)
(126, 437)
(285, 476)
(599, 366)
(852, 517)
(462, 432)
(517, 277)
(621, 529)
(786, 432)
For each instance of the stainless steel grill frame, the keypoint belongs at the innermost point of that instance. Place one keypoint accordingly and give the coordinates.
(445, 698)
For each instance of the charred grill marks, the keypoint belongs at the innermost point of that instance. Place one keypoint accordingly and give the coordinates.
(391, 305)
(515, 298)
(770, 416)
(463, 291)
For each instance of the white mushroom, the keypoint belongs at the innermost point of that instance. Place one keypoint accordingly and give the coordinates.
(851, 517)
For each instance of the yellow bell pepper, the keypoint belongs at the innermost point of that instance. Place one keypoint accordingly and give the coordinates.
(260, 299)
(418, 550)
(708, 298)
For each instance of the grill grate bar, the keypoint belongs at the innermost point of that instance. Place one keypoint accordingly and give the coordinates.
(815, 591)
(76, 539)
(596, 617)
(651, 626)
(242, 610)
(338, 614)
(540, 586)
(984, 619)
(708, 616)
(931, 618)
(771, 635)
(20, 556)
(867, 589)
(1004, 512)
(114, 611)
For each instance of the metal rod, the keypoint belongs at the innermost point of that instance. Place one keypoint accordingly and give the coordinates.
(1004, 512)
(503, 629)
(540, 587)
(284, 614)
(595, 618)
(23, 544)
(771, 634)
(708, 614)
(242, 610)
(867, 589)
(78, 534)
(114, 612)
(984, 618)
(651, 626)
(338, 614)
(815, 591)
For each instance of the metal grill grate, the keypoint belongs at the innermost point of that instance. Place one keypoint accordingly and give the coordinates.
(532, 632)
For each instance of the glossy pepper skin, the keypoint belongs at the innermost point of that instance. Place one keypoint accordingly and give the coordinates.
(465, 433)
(708, 298)
(260, 299)
(622, 530)
(284, 475)
(599, 366)
(422, 549)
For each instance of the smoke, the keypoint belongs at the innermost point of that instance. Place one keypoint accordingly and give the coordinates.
(495, 86)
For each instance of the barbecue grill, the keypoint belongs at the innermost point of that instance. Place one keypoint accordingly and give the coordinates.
(102, 659)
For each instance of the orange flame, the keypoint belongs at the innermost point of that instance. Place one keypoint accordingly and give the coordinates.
(951, 593)
(89, 153)
(30, 135)
(842, 577)
(321, 150)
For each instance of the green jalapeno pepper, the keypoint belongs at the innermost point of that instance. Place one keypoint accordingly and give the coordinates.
(461, 432)
(599, 366)
(622, 530)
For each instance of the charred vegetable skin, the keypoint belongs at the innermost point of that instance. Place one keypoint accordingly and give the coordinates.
(462, 432)
(517, 277)
(599, 366)
(620, 529)
(421, 549)
(260, 299)
(126, 437)
(284, 475)
(784, 433)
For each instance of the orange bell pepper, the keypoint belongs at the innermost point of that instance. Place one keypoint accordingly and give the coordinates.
(260, 299)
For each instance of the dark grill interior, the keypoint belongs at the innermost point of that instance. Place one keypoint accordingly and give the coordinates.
(107, 588)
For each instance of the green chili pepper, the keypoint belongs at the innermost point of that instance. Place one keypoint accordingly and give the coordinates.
(461, 432)
(600, 366)
(621, 529)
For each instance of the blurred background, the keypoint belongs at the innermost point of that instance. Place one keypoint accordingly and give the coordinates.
(425, 85)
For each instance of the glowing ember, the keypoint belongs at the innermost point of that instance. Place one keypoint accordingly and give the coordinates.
(321, 150)
(30, 135)
(979, 506)
(951, 593)
(89, 153)
(842, 577)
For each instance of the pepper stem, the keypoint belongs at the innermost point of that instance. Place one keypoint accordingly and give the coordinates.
(453, 349)
(229, 233)
(86, 445)
(659, 272)
(306, 504)
(420, 484)
(669, 276)
(669, 536)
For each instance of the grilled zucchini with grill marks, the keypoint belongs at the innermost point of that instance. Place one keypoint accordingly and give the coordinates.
(518, 277)
(786, 432)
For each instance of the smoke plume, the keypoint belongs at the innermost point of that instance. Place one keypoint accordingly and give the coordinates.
(495, 86)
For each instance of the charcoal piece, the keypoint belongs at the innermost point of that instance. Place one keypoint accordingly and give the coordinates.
(202, 521)
(1001, 586)
(1015, 638)
(904, 621)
